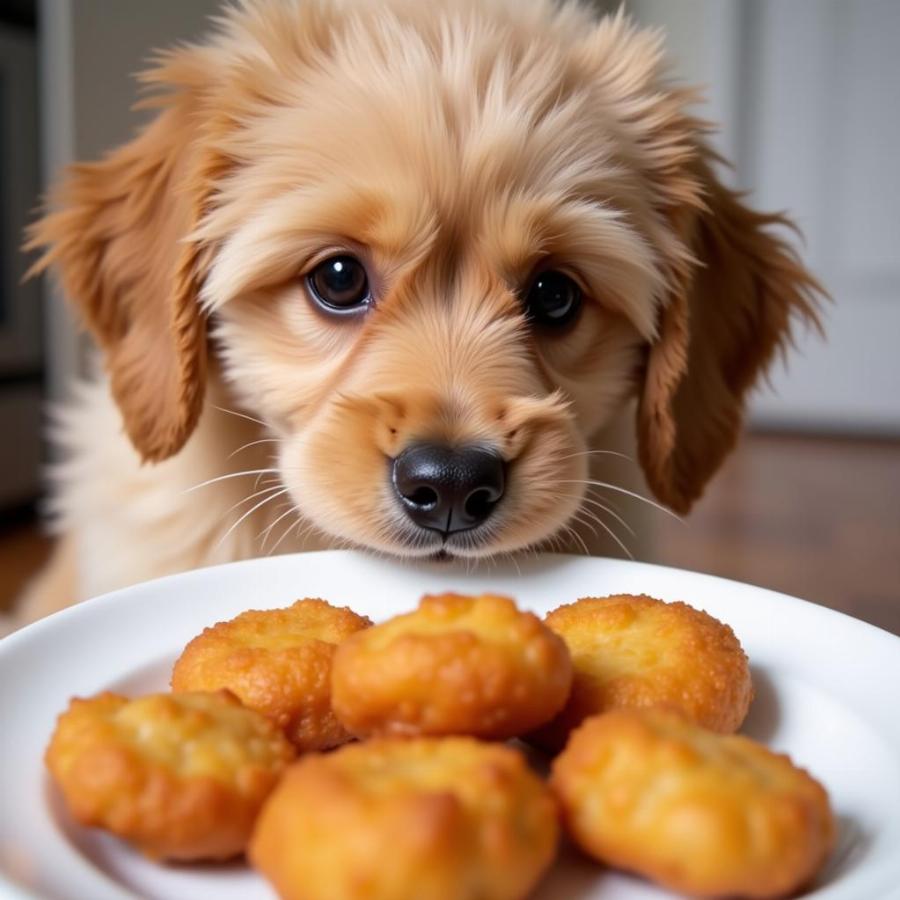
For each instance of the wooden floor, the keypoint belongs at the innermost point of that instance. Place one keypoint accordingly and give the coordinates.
(23, 549)
(816, 518)
(812, 517)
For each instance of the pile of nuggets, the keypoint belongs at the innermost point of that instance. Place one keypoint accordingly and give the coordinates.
(351, 760)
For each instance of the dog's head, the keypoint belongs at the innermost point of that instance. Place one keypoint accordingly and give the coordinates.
(435, 246)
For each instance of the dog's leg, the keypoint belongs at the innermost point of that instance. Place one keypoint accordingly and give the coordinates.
(53, 588)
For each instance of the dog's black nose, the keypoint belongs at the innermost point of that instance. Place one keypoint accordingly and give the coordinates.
(448, 489)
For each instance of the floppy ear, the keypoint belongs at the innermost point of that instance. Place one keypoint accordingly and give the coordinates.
(729, 313)
(117, 238)
(735, 287)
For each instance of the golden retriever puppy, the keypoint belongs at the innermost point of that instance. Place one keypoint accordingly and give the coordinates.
(425, 254)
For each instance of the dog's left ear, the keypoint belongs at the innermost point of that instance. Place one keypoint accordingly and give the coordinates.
(731, 310)
(735, 287)
(118, 238)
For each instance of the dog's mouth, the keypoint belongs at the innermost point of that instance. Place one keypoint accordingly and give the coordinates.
(441, 556)
(448, 552)
(437, 546)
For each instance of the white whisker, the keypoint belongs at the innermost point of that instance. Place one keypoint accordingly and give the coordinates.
(197, 487)
(252, 444)
(576, 517)
(597, 453)
(616, 516)
(265, 490)
(264, 534)
(232, 412)
(259, 478)
(621, 490)
(250, 511)
(569, 530)
(612, 504)
(287, 531)
(613, 535)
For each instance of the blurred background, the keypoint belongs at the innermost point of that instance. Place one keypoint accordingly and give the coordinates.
(806, 95)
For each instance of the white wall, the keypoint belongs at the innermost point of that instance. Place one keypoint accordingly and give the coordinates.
(824, 143)
(807, 94)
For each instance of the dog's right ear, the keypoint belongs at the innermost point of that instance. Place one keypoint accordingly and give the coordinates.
(117, 233)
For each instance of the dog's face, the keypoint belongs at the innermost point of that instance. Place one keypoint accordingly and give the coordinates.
(438, 246)
(435, 297)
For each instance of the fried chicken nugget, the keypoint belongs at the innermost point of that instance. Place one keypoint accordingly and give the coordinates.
(456, 665)
(407, 819)
(181, 776)
(636, 651)
(701, 813)
(278, 662)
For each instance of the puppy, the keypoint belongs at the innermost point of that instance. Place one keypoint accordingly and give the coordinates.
(383, 275)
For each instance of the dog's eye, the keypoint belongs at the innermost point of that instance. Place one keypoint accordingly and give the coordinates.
(553, 299)
(340, 284)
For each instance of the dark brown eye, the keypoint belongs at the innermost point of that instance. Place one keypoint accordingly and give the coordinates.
(340, 285)
(553, 299)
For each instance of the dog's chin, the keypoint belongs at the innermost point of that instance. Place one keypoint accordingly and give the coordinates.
(435, 547)
(431, 546)
(441, 556)
(479, 543)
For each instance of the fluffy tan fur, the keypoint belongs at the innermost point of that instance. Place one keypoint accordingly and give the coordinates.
(454, 146)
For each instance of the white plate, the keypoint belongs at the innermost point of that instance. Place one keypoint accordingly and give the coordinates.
(828, 693)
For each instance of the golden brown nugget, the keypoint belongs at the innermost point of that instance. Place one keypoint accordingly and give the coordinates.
(278, 662)
(704, 814)
(181, 776)
(394, 818)
(635, 651)
(456, 665)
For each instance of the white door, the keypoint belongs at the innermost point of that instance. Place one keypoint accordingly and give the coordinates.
(809, 95)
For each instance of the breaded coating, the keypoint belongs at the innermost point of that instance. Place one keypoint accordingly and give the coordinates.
(278, 662)
(407, 819)
(701, 813)
(456, 665)
(635, 651)
(180, 776)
